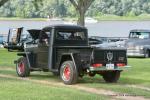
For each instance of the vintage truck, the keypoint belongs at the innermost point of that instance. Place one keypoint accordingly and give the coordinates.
(138, 43)
(64, 50)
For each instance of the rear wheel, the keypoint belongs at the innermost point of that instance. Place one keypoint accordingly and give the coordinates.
(22, 67)
(112, 76)
(68, 73)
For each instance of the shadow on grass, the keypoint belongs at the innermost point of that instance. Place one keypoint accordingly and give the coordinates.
(136, 57)
(121, 81)
(48, 76)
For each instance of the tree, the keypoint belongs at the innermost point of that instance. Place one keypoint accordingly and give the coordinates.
(81, 6)
(2, 2)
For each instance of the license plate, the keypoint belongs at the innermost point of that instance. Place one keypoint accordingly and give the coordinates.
(109, 66)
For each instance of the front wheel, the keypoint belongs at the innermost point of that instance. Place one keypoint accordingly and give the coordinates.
(146, 55)
(68, 73)
(22, 67)
(112, 76)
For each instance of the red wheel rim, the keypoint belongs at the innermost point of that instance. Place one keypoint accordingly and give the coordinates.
(21, 67)
(66, 72)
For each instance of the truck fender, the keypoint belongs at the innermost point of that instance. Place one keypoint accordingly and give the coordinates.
(73, 57)
(24, 54)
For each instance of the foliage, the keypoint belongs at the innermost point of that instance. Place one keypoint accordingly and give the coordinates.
(2, 2)
(120, 7)
(63, 8)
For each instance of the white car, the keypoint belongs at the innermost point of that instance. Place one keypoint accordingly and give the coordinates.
(90, 20)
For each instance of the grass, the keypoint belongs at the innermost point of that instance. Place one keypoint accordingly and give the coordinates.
(138, 76)
(7, 58)
(15, 89)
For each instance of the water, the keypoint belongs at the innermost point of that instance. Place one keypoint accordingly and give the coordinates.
(102, 28)
(1, 39)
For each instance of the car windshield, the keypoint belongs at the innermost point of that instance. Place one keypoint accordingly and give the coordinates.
(140, 35)
(70, 35)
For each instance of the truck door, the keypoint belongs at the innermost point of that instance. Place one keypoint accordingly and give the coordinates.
(43, 49)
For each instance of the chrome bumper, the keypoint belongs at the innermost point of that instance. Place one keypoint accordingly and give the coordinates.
(103, 68)
(139, 53)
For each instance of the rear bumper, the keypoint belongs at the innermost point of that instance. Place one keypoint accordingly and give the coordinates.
(103, 68)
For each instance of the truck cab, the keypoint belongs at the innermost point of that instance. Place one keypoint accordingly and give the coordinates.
(64, 50)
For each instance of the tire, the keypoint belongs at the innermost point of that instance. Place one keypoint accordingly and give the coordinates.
(111, 77)
(146, 55)
(69, 73)
(22, 67)
(91, 74)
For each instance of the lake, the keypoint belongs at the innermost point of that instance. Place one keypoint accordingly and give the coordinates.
(102, 28)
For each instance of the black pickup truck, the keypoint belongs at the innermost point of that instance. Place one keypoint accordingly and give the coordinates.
(64, 50)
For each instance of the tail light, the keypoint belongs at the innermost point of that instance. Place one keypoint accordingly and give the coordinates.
(97, 65)
(121, 64)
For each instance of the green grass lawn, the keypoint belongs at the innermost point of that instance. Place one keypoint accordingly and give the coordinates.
(13, 89)
(7, 58)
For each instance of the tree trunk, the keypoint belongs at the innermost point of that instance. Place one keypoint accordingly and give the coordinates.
(81, 18)
(81, 6)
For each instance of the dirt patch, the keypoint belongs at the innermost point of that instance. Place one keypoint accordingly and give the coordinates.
(139, 87)
(113, 95)
(7, 68)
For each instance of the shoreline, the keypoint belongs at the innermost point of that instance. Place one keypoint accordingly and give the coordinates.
(71, 19)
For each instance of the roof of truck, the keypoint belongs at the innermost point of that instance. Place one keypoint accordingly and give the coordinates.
(140, 30)
(62, 26)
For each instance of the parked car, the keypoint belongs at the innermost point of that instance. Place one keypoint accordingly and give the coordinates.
(1, 39)
(107, 41)
(90, 20)
(64, 50)
(138, 43)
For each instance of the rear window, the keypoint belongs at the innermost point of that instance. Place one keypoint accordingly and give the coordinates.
(140, 35)
(70, 35)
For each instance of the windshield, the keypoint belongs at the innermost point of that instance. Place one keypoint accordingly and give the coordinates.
(140, 35)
